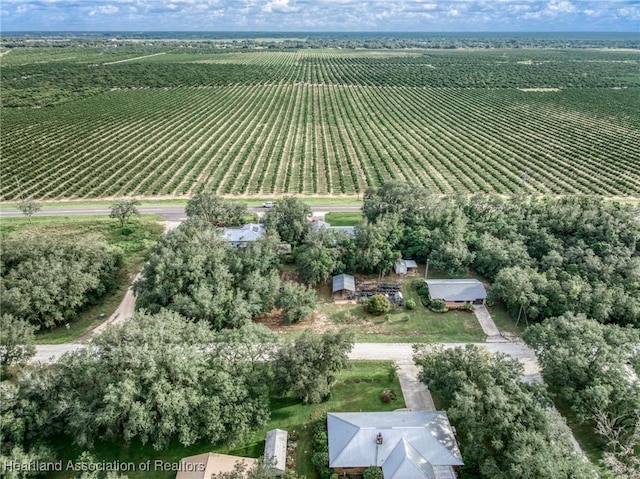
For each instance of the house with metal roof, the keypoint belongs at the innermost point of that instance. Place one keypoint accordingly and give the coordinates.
(343, 284)
(457, 291)
(405, 444)
(275, 450)
(320, 225)
(404, 266)
(241, 237)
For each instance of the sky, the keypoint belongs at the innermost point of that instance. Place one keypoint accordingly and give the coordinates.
(322, 15)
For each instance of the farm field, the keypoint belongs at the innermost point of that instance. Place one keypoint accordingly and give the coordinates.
(320, 122)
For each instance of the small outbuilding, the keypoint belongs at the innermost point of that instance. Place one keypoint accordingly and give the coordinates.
(275, 450)
(343, 284)
(455, 292)
(405, 266)
(203, 466)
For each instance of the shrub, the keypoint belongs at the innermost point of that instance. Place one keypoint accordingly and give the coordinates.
(320, 456)
(378, 304)
(297, 302)
(410, 304)
(438, 306)
(388, 395)
(372, 473)
(461, 307)
(423, 292)
(392, 371)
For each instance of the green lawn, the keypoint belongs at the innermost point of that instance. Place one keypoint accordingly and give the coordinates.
(251, 201)
(505, 321)
(582, 431)
(135, 240)
(344, 218)
(357, 389)
(401, 325)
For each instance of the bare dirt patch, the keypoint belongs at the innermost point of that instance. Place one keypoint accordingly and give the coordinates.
(318, 322)
(539, 89)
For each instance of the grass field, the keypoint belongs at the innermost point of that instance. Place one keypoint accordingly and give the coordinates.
(323, 123)
(343, 218)
(135, 241)
(401, 325)
(356, 389)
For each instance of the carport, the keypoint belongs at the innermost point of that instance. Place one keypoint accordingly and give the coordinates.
(343, 285)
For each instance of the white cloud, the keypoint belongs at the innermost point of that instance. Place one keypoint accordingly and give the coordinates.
(104, 9)
(277, 6)
(346, 15)
(560, 7)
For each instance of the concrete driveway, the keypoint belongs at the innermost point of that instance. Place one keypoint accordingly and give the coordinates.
(416, 395)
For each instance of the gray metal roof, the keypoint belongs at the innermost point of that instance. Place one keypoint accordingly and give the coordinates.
(405, 462)
(249, 232)
(352, 439)
(344, 281)
(275, 447)
(348, 230)
(319, 224)
(456, 289)
(400, 267)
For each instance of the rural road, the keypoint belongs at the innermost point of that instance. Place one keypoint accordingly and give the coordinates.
(168, 212)
(401, 353)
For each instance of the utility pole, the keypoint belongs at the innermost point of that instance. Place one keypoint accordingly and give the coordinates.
(522, 313)
(426, 270)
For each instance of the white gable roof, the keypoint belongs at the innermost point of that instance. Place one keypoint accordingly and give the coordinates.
(275, 448)
(420, 435)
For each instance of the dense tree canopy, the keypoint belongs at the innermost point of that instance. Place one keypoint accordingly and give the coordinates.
(504, 426)
(396, 197)
(154, 379)
(320, 256)
(376, 245)
(16, 340)
(549, 256)
(296, 301)
(308, 366)
(591, 367)
(18, 441)
(290, 219)
(216, 210)
(196, 273)
(46, 280)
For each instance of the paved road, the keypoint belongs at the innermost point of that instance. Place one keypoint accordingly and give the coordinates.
(401, 353)
(169, 212)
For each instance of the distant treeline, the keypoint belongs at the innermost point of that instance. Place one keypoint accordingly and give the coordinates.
(288, 40)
